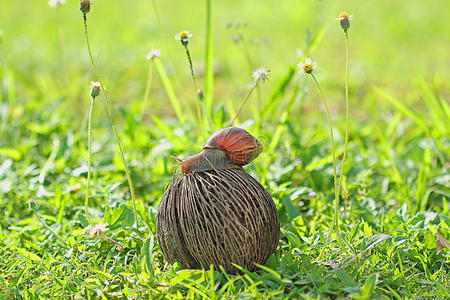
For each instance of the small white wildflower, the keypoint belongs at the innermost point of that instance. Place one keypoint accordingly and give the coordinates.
(31, 203)
(343, 19)
(261, 74)
(307, 67)
(183, 36)
(97, 230)
(56, 3)
(154, 53)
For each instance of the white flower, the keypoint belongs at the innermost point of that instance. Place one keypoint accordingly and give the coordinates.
(56, 3)
(97, 230)
(312, 194)
(154, 53)
(261, 74)
(95, 88)
(344, 16)
(183, 36)
(307, 67)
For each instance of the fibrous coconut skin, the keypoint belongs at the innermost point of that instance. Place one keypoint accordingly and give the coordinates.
(217, 217)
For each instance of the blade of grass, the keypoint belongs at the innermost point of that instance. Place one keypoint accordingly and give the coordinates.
(170, 91)
(209, 72)
(400, 107)
(445, 107)
(283, 120)
(436, 111)
(422, 181)
(440, 153)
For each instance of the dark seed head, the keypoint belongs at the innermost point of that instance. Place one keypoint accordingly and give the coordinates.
(85, 6)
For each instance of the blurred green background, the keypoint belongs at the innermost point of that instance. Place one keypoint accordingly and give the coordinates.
(391, 42)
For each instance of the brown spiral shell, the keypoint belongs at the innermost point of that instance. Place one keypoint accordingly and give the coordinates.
(239, 145)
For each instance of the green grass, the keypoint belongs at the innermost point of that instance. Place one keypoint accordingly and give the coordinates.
(396, 179)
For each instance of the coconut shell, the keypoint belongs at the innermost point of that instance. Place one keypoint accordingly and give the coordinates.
(217, 217)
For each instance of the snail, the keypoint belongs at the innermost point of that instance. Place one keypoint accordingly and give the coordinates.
(226, 148)
(215, 213)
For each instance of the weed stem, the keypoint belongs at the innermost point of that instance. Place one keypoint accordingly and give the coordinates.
(200, 106)
(188, 54)
(130, 183)
(336, 196)
(86, 202)
(347, 116)
(209, 69)
(197, 105)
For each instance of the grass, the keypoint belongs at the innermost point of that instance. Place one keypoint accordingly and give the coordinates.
(396, 179)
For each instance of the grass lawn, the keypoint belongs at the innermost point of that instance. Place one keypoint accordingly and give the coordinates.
(393, 211)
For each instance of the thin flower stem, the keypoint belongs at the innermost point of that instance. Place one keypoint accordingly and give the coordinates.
(158, 21)
(108, 108)
(147, 87)
(245, 101)
(170, 90)
(347, 118)
(200, 106)
(86, 202)
(113, 241)
(336, 196)
(209, 69)
(188, 54)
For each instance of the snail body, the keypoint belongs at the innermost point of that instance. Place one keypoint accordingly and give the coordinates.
(206, 160)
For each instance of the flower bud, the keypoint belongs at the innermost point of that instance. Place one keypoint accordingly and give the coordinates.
(154, 53)
(95, 89)
(345, 24)
(200, 94)
(183, 37)
(85, 6)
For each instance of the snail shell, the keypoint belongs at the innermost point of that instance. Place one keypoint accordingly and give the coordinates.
(227, 148)
(239, 145)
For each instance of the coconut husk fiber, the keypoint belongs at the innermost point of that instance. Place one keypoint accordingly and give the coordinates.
(217, 217)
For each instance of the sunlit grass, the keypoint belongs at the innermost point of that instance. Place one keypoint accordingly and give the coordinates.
(396, 169)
